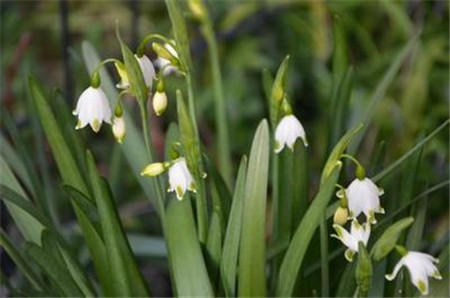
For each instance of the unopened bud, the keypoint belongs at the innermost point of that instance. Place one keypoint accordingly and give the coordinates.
(159, 103)
(153, 169)
(197, 8)
(163, 52)
(340, 216)
(119, 129)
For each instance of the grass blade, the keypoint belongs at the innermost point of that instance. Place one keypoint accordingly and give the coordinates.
(21, 262)
(252, 277)
(228, 264)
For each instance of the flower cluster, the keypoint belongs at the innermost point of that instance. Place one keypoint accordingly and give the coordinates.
(362, 196)
(93, 106)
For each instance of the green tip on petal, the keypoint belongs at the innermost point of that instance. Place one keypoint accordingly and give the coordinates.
(338, 230)
(179, 192)
(96, 125)
(349, 254)
(78, 126)
(422, 287)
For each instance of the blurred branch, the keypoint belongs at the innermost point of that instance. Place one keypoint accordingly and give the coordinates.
(65, 44)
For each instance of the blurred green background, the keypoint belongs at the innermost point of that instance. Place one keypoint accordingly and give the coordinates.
(45, 38)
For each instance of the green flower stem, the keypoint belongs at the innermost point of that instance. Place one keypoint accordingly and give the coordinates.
(221, 119)
(102, 63)
(148, 38)
(156, 182)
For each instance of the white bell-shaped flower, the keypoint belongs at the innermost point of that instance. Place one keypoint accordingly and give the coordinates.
(420, 266)
(287, 132)
(92, 108)
(180, 179)
(148, 70)
(161, 62)
(364, 197)
(357, 233)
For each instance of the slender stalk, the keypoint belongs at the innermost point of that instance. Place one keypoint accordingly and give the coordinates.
(150, 154)
(221, 119)
(324, 257)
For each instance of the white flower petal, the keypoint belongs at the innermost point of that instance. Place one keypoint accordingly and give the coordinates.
(93, 108)
(148, 70)
(180, 179)
(288, 130)
(394, 273)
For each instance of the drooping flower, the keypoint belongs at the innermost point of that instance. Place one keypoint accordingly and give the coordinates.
(420, 266)
(119, 129)
(165, 64)
(289, 129)
(180, 179)
(159, 102)
(364, 197)
(147, 69)
(92, 108)
(357, 233)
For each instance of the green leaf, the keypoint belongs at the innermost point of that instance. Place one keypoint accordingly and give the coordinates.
(300, 241)
(381, 89)
(363, 273)
(220, 186)
(86, 204)
(134, 73)
(228, 264)
(21, 262)
(387, 241)
(66, 163)
(18, 202)
(58, 274)
(122, 266)
(252, 276)
(19, 206)
(188, 269)
(194, 162)
(301, 185)
(347, 282)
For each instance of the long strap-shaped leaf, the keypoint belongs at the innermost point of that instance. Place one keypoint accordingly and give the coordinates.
(252, 277)
(228, 264)
(294, 256)
(127, 281)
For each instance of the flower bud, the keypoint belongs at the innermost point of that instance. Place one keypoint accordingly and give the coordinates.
(159, 102)
(119, 129)
(163, 52)
(153, 169)
(340, 216)
(197, 8)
